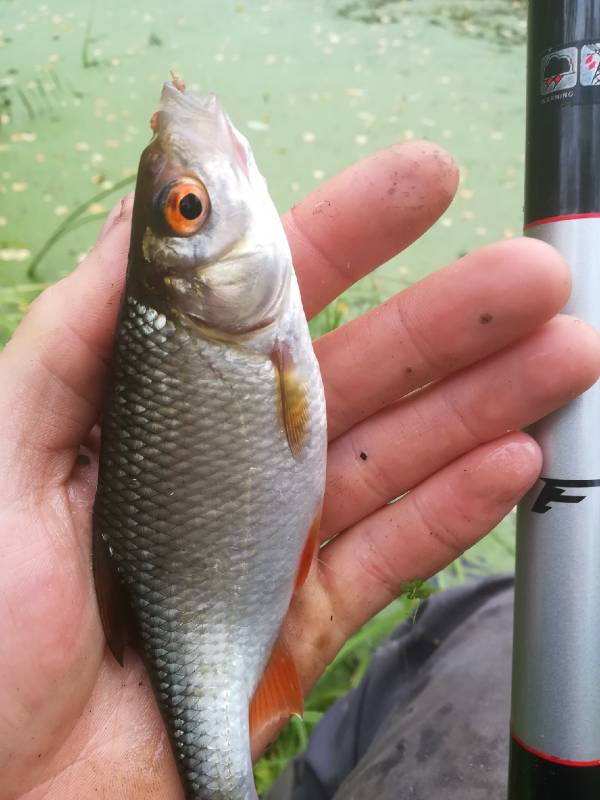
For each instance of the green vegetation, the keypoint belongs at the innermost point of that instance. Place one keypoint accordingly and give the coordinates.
(74, 220)
(14, 301)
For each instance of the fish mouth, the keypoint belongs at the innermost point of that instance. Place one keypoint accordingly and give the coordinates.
(200, 111)
(204, 114)
(175, 99)
(177, 102)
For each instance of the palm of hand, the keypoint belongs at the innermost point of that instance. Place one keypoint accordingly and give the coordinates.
(476, 336)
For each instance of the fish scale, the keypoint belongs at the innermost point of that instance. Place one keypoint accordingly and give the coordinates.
(204, 509)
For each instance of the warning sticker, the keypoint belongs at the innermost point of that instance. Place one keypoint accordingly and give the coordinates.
(570, 75)
(559, 70)
(590, 65)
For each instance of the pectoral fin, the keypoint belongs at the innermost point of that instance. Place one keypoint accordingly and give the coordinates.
(278, 695)
(293, 392)
(112, 599)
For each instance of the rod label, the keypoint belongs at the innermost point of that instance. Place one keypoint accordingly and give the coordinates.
(589, 72)
(556, 491)
(571, 74)
(559, 70)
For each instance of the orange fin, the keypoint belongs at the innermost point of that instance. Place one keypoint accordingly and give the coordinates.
(294, 398)
(310, 548)
(278, 695)
(112, 599)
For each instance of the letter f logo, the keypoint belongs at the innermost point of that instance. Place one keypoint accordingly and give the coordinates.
(554, 492)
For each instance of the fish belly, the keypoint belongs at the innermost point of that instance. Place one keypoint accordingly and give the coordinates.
(206, 512)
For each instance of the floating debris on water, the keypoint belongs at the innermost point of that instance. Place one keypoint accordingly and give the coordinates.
(14, 254)
(23, 136)
(257, 125)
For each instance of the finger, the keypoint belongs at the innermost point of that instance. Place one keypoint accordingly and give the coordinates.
(414, 538)
(453, 318)
(365, 215)
(56, 363)
(394, 450)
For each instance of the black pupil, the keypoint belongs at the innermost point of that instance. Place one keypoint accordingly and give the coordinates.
(190, 206)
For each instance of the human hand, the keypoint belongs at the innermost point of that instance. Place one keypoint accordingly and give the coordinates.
(479, 336)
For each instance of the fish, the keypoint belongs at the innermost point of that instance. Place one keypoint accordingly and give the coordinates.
(213, 447)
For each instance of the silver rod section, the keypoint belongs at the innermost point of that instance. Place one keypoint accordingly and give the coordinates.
(556, 672)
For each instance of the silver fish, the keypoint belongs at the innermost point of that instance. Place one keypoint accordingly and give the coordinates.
(213, 450)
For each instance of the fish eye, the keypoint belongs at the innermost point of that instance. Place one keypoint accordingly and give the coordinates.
(185, 206)
(190, 206)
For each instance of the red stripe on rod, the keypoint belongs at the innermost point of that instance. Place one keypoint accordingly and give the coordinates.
(548, 220)
(554, 759)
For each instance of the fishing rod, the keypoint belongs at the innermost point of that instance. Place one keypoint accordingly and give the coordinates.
(555, 742)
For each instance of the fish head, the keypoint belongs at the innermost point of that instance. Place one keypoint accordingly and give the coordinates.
(207, 241)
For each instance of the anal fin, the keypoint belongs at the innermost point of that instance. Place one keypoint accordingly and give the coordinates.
(278, 695)
(113, 604)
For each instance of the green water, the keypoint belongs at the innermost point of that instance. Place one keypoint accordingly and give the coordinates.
(312, 84)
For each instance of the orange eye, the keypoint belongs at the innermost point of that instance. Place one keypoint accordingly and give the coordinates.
(186, 207)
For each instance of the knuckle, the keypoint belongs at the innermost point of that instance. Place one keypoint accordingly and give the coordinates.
(428, 352)
(376, 567)
(469, 423)
(445, 534)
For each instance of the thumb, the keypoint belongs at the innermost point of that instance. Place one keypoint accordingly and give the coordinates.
(53, 370)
